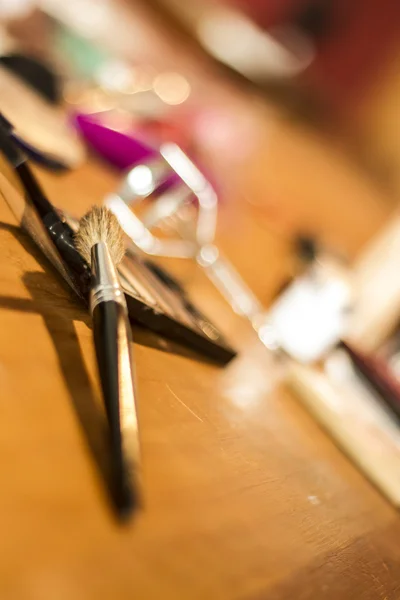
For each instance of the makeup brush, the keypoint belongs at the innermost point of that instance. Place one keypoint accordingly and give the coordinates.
(100, 241)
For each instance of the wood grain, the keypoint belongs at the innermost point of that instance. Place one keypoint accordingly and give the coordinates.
(245, 497)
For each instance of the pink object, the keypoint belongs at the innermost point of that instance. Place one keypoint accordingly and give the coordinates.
(120, 149)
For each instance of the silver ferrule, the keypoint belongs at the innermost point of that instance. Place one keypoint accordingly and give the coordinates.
(105, 286)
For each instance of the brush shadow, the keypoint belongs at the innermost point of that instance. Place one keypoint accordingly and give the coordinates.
(92, 419)
(73, 307)
(31, 248)
(59, 323)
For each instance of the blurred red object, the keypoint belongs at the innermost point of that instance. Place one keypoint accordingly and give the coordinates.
(353, 39)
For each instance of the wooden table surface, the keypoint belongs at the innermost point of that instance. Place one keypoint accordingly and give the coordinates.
(245, 497)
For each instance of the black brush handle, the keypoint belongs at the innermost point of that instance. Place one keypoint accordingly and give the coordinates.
(112, 343)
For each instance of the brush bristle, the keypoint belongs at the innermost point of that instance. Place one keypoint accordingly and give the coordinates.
(100, 225)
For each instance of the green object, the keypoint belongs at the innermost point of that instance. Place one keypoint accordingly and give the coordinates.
(84, 58)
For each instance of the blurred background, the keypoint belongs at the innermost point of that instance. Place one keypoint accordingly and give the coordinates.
(275, 100)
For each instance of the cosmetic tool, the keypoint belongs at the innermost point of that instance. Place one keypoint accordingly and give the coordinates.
(100, 241)
(378, 375)
(52, 231)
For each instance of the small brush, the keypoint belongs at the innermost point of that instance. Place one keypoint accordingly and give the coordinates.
(100, 242)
